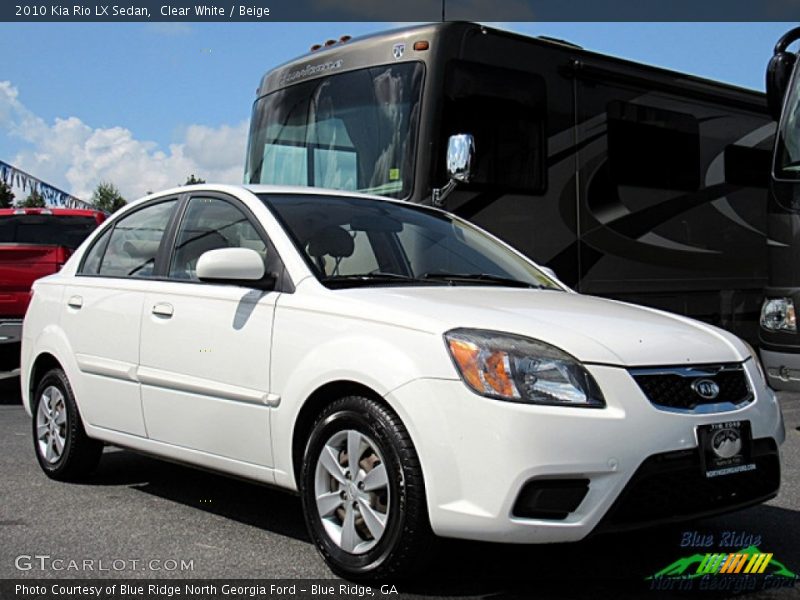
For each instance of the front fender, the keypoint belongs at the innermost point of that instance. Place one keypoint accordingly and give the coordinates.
(311, 350)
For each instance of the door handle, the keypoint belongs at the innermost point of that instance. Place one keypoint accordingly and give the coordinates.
(75, 302)
(162, 309)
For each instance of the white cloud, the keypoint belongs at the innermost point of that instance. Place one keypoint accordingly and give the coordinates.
(74, 156)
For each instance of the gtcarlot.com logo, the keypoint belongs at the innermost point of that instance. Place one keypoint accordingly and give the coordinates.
(46, 562)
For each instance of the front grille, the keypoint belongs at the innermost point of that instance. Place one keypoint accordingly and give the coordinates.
(672, 487)
(675, 387)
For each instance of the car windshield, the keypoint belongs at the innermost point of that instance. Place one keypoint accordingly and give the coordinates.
(351, 242)
(50, 230)
(351, 131)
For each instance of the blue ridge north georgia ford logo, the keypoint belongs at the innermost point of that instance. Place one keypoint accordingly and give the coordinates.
(726, 442)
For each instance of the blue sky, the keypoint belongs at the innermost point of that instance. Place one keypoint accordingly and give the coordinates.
(143, 105)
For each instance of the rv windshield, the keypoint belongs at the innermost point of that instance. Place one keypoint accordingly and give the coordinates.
(351, 131)
(787, 157)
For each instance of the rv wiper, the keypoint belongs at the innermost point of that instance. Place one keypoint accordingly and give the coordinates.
(486, 278)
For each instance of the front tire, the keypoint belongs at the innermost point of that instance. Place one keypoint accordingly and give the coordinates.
(363, 492)
(63, 449)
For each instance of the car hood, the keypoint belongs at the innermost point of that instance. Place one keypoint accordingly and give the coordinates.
(592, 329)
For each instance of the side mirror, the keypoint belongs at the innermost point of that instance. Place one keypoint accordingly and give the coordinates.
(552, 275)
(549, 272)
(460, 160)
(779, 72)
(460, 156)
(242, 266)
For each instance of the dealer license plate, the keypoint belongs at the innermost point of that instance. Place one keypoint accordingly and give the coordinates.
(725, 448)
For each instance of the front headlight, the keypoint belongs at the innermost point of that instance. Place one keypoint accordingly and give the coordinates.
(520, 369)
(777, 314)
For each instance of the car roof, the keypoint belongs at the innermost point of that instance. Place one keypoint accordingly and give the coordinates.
(262, 188)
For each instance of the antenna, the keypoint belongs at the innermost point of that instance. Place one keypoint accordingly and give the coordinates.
(443, 3)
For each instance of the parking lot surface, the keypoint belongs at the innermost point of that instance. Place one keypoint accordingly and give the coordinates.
(141, 517)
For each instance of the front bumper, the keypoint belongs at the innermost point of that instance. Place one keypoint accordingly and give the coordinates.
(477, 454)
(782, 368)
(672, 487)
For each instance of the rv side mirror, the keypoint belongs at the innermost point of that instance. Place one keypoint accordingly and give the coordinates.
(460, 157)
(779, 71)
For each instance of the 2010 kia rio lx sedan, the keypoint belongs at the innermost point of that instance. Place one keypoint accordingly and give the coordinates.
(407, 372)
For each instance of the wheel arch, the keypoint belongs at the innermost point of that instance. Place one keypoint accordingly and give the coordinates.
(43, 363)
(315, 404)
(45, 349)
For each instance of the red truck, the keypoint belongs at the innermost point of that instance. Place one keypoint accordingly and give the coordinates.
(34, 242)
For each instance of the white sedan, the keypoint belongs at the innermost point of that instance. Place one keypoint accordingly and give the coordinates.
(408, 373)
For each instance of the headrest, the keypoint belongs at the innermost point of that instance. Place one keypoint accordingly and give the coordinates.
(141, 248)
(333, 241)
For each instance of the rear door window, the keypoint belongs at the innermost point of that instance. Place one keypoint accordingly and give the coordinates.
(130, 248)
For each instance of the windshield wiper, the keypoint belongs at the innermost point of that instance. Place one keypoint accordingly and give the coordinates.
(365, 279)
(433, 278)
(485, 278)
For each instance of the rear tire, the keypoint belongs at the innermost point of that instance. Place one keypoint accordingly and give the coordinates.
(62, 447)
(368, 517)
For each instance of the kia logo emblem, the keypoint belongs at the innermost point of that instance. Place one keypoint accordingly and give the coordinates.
(705, 388)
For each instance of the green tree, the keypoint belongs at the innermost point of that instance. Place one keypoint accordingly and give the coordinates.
(6, 195)
(106, 197)
(192, 179)
(34, 200)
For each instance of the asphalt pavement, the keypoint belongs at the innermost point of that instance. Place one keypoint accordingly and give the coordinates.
(141, 517)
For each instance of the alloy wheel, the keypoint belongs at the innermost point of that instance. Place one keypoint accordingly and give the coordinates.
(351, 488)
(51, 424)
